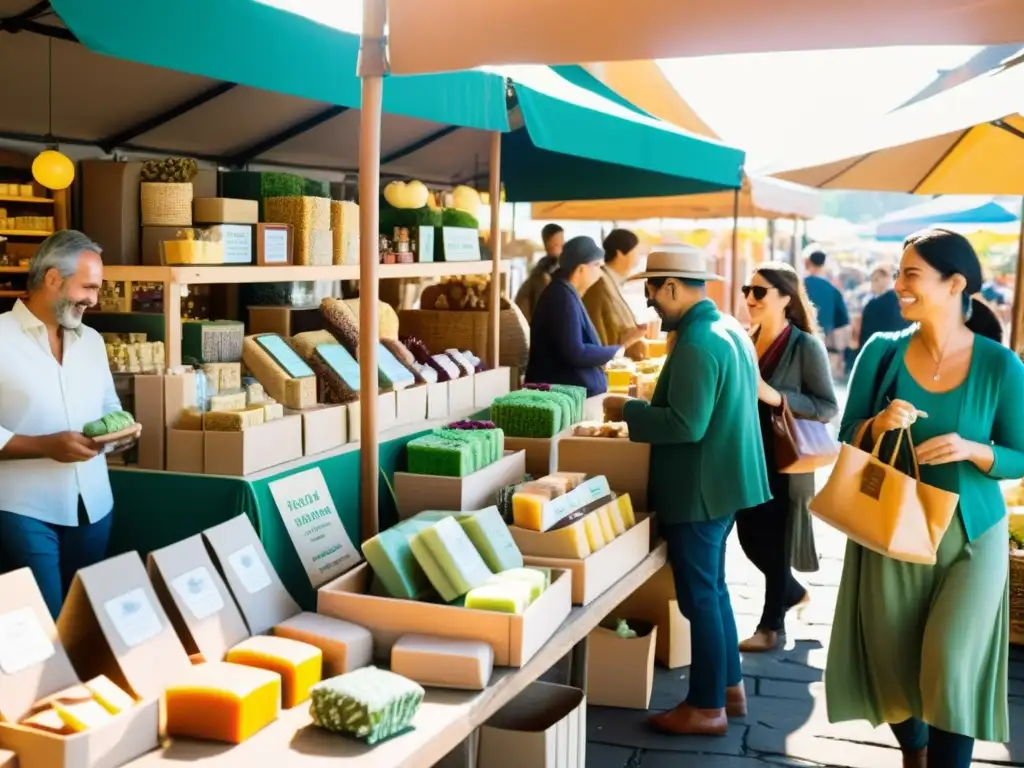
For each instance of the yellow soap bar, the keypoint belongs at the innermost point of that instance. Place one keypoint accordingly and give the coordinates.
(83, 716)
(655, 348)
(222, 702)
(617, 520)
(49, 721)
(300, 665)
(620, 378)
(595, 534)
(257, 414)
(229, 401)
(625, 505)
(528, 510)
(569, 542)
(607, 528)
(109, 696)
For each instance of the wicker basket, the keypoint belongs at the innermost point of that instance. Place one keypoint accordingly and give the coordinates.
(166, 205)
(1017, 597)
(447, 329)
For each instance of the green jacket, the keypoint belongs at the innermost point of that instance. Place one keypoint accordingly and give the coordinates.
(707, 459)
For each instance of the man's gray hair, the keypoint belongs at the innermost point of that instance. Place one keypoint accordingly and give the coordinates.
(59, 251)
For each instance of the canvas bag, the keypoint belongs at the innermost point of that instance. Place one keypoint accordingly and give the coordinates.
(883, 509)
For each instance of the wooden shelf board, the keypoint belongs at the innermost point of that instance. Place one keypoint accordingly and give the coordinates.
(24, 233)
(13, 295)
(16, 199)
(13, 270)
(210, 275)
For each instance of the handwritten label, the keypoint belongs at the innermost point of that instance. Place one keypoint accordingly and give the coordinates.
(872, 480)
(312, 521)
(133, 617)
(425, 245)
(237, 241)
(460, 244)
(249, 569)
(197, 590)
(275, 245)
(23, 641)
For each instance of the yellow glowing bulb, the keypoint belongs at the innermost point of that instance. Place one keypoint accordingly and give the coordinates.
(53, 169)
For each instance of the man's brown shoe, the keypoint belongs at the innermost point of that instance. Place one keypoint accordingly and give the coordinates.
(736, 701)
(916, 759)
(760, 642)
(685, 720)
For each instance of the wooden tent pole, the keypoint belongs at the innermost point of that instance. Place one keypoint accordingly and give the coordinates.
(1018, 290)
(734, 258)
(493, 320)
(371, 70)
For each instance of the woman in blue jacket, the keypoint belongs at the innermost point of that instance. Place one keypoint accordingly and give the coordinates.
(564, 347)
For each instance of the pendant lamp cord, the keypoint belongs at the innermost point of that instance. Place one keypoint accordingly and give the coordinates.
(49, 89)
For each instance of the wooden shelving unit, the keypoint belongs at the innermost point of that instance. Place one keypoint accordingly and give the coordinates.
(16, 199)
(23, 233)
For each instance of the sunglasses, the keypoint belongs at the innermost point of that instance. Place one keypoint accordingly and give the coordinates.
(759, 291)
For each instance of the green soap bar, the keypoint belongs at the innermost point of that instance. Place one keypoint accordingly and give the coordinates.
(391, 558)
(505, 597)
(546, 572)
(434, 455)
(95, 428)
(527, 413)
(435, 573)
(455, 555)
(491, 537)
(578, 395)
(534, 579)
(368, 703)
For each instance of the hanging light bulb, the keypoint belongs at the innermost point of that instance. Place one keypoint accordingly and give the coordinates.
(53, 169)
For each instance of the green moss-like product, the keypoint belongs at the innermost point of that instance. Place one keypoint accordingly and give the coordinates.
(434, 455)
(391, 217)
(528, 413)
(578, 396)
(369, 704)
(452, 217)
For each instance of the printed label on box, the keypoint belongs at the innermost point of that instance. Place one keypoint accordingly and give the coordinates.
(275, 245)
(249, 569)
(23, 642)
(197, 591)
(460, 244)
(320, 540)
(133, 617)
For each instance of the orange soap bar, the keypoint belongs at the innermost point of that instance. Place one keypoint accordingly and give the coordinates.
(223, 702)
(300, 665)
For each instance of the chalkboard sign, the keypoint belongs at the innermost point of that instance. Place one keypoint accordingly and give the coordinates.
(338, 359)
(284, 356)
(391, 372)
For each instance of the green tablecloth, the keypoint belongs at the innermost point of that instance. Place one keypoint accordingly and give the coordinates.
(156, 509)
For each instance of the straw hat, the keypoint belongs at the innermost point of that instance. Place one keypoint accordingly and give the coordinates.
(682, 261)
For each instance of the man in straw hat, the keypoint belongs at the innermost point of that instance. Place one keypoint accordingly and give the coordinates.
(707, 462)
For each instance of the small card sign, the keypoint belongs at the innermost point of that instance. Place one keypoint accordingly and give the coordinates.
(23, 642)
(391, 372)
(237, 241)
(273, 244)
(133, 617)
(249, 568)
(285, 356)
(460, 244)
(321, 541)
(871, 481)
(425, 245)
(341, 362)
(197, 590)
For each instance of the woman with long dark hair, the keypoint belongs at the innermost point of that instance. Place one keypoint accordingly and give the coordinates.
(924, 648)
(794, 365)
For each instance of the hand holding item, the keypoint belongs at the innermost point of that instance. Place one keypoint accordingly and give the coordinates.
(945, 449)
(631, 336)
(71, 447)
(613, 405)
(767, 394)
(899, 414)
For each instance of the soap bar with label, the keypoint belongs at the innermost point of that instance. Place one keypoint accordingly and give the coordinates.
(300, 665)
(439, 662)
(222, 702)
(345, 646)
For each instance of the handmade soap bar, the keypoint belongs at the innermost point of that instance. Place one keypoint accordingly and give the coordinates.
(455, 553)
(446, 368)
(190, 419)
(82, 717)
(432, 568)
(295, 392)
(272, 411)
(228, 401)
(605, 519)
(578, 396)
(231, 421)
(370, 704)
(390, 555)
(572, 479)
(619, 379)
(507, 596)
(49, 721)
(595, 534)
(535, 579)
(528, 510)
(109, 696)
(625, 506)
(440, 662)
(466, 368)
(435, 455)
(345, 646)
(391, 373)
(222, 702)
(569, 542)
(618, 523)
(530, 413)
(492, 540)
(227, 376)
(549, 489)
(256, 415)
(300, 665)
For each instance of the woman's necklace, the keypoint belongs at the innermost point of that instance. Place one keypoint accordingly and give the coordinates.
(937, 374)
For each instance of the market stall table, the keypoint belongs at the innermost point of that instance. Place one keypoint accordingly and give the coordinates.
(445, 720)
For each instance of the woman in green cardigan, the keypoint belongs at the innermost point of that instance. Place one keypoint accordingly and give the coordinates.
(924, 648)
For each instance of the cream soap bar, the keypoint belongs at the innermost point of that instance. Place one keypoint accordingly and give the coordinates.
(439, 662)
(344, 645)
(536, 580)
(455, 554)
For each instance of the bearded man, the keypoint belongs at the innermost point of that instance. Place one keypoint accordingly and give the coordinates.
(55, 497)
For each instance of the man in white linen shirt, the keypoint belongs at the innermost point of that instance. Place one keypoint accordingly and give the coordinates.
(55, 497)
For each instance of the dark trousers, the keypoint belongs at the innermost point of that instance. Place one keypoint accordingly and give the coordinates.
(696, 552)
(764, 535)
(945, 749)
(54, 553)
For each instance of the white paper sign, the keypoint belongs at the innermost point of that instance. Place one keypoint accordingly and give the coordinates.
(460, 244)
(249, 569)
(197, 590)
(133, 617)
(275, 245)
(23, 642)
(312, 521)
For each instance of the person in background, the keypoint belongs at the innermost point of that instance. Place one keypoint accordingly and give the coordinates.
(564, 347)
(833, 316)
(882, 314)
(706, 464)
(553, 237)
(604, 301)
(777, 535)
(924, 648)
(55, 497)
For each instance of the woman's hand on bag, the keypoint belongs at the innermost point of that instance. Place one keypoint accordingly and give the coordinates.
(947, 449)
(899, 414)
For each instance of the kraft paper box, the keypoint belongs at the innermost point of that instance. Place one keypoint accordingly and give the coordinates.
(8, 759)
(438, 401)
(488, 385)
(185, 451)
(541, 452)
(254, 449)
(411, 405)
(655, 602)
(196, 599)
(620, 671)
(416, 493)
(113, 624)
(387, 412)
(626, 464)
(38, 667)
(543, 727)
(149, 412)
(461, 393)
(324, 428)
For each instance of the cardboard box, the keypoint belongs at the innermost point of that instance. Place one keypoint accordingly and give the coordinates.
(620, 672)
(285, 321)
(594, 575)
(488, 385)
(438, 401)
(387, 412)
(545, 726)
(8, 759)
(416, 493)
(152, 236)
(253, 449)
(179, 394)
(324, 428)
(626, 464)
(149, 412)
(541, 452)
(185, 451)
(225, 210)
(515, 639)
(44, 669)
(113, 624)
(460, 397)
(196, 599)
(411, 405)
(655, 602)
(110, 208)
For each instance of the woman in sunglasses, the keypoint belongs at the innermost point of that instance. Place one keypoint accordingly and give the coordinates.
(793, 364)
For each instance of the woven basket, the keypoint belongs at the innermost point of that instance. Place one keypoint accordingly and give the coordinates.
(1017, 597)
(166, 205)
(447, 329)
